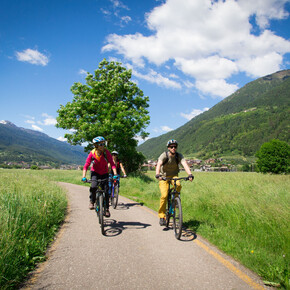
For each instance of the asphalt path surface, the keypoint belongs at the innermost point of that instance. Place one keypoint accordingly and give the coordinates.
(135, 253)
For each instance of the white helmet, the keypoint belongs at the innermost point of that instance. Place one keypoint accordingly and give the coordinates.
(115, 152)
(172, 141)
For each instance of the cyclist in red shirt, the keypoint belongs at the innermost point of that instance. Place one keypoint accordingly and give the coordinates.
(100, 157)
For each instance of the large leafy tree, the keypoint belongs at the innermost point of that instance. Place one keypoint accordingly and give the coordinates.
(108, 105)
(274, 157)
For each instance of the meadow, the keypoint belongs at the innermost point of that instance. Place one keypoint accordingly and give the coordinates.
(246, 215)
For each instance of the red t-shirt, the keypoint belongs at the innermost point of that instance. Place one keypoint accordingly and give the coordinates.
(100, 164)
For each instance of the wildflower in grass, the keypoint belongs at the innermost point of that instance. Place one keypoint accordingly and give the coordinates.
(252, 252)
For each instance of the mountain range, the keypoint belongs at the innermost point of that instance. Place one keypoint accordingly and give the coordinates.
(236, 126)
(33, 147)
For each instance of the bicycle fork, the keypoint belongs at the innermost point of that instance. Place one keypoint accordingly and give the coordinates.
(98, 205)
(171, 203)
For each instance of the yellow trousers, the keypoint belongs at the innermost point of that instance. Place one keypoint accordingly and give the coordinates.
(164, 186)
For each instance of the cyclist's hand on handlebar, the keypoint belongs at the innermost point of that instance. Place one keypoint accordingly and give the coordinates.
(84, 179)
(190, 177)
(158, 176)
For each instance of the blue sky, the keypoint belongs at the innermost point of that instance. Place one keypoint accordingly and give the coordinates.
(186, 55)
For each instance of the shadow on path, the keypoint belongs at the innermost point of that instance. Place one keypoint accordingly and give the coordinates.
(126, 206)
(187, 234)
(115, 228)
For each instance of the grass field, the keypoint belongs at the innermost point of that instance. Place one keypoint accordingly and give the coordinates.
(246, 215)
(31, 211)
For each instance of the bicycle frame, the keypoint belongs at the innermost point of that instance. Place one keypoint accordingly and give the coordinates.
(114, 184)
(171, 195)
(114, 194)
(174, 208)
(100, 201)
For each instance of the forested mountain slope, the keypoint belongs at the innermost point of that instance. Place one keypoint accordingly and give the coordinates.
(238, 125)
(19, 144)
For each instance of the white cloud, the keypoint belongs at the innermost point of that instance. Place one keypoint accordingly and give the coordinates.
(140, 139)
(216, 87)
(119, 4)
(62, 139)
(166, 128)
(154, 77)
(162, 129)
(115, 10)
(49, 120)
(126, 19)
(29, 121)
(209, 41)
(263, 65)
(37, 128)
(199, 68)
(32, 56)
(105, 11)
(193, 113)
(265, 10)
(82, 72)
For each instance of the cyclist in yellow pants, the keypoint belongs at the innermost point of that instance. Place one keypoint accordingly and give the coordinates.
(168, 166)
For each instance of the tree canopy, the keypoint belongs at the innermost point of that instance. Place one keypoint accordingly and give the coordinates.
(274, 157)
(108, 105)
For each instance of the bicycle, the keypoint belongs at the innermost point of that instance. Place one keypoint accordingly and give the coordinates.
(100, 205)
(174, 208)
(114, 194)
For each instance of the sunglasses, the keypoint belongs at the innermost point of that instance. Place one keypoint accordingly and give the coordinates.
(173, 147)
(101, 144)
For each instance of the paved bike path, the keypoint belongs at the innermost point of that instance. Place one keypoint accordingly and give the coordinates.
(136, 253)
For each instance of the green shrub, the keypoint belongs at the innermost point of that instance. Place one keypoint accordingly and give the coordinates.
(273, 157)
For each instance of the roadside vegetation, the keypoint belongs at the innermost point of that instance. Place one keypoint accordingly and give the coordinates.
(246, 215)
(31, 211)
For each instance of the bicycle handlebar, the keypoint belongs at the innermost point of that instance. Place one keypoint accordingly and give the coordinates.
(179, 178)
(97, 180)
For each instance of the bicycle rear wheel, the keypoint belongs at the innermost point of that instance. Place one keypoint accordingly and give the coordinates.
(101, 213)
(112, 195)
(116, 195)
(177, 218)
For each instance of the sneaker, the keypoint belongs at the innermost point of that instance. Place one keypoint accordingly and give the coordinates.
(91, 205)
(107, 213)
(162, 222)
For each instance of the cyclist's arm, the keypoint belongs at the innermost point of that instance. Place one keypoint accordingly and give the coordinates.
(112, 163)
(87, 164)
(186, 167)
(84, 173)
(158, 166)
(122, 168)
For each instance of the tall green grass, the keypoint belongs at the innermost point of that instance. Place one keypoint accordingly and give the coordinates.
(246, 215)
(31, 210)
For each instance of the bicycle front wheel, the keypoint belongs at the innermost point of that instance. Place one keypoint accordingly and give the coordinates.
(168, 215)
(115, 197)
(177, 218)
(101, 214)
